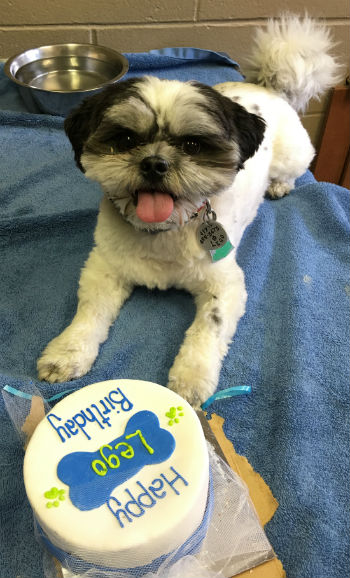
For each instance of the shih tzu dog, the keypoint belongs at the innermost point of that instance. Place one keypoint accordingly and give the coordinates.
(184, 168)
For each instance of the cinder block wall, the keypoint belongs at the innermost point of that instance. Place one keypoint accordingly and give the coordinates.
(141, 25)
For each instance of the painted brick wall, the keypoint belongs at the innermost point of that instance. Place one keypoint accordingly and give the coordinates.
(140, 25)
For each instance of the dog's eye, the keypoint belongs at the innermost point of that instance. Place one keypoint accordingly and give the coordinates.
(125, 142)
(191, 146)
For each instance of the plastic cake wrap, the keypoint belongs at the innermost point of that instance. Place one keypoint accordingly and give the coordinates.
(229, 540)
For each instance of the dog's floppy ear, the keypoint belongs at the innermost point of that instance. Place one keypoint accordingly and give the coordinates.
(84, 120)
(78, 125)
(246, 128)
(250, 129)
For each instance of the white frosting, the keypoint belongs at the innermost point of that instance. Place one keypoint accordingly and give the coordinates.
(96, 535)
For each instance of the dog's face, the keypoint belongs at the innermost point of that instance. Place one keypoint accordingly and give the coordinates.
(160, 148)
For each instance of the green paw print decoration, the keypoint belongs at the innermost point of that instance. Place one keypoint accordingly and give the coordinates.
(55, 496)
(174, 414)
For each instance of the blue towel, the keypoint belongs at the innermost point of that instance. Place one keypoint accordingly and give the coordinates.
(291, 346)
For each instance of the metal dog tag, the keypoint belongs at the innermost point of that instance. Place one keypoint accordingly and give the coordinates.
(212, 236)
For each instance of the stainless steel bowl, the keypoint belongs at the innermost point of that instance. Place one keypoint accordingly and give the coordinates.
(54, 79)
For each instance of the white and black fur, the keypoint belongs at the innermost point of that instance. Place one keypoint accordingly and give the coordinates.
(184, 143)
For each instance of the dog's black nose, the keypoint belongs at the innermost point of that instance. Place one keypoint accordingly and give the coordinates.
(154, 166)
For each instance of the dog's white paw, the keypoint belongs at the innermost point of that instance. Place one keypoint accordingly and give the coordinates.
(193, 383)
(63, 360)
(278, 189)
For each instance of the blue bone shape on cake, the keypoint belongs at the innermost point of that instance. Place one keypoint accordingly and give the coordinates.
(93, 475)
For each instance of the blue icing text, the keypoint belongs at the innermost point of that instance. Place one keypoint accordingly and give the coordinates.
(97, 413)
(147, 498)
(93, 475)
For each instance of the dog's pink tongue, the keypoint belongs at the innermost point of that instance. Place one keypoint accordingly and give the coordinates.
(154, 207)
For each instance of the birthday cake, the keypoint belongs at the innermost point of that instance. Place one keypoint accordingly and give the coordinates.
(117, 475)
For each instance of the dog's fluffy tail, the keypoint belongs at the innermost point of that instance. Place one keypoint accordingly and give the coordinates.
(292, 56)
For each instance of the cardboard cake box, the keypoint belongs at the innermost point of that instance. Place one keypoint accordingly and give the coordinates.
(260, 494)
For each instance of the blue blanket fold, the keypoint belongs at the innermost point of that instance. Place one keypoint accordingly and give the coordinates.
(291, 346)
